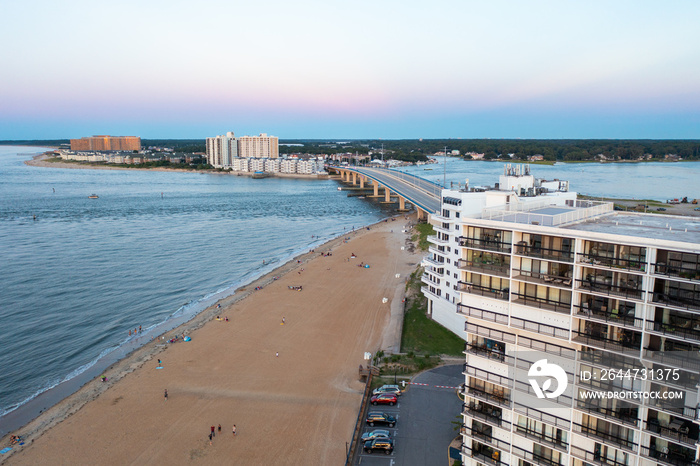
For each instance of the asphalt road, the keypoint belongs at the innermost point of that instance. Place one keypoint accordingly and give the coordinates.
(419, 191)
(424, 428)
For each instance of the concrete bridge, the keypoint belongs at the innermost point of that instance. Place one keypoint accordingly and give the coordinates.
(423, 194)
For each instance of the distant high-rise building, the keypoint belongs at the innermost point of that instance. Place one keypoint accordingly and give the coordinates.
(105, 143)
(262, 146)
(221, 150)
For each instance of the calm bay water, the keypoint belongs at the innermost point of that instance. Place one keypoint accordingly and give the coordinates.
(652, 180)
(159, 246)
(152, 247)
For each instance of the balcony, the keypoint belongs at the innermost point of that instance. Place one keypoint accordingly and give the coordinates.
(542, 278)
(606, 360)
(549, 348)
(425, 278)
(620, 318)
(467, 287)
(542, 416)
(595, 458)
(541, 329)
(678, 269)
(685, 299)
(680, 359)
(490, 377)
(491, 354)
(485, 244)
(672, 455)
(500, 397)
(562, 255)
(485, 436)
(687, 330)
(436, 240)
(534, 458)
(434, 262)
(678, 410)
(489, 333)
(628, 416)
(600, 285)
(594, 432)
(484, 455)
(542, 303)
(492, 415)
(482, 314)
(632, 265)
(598, 337)
(544, 438)
(486, 266)
(677, 431)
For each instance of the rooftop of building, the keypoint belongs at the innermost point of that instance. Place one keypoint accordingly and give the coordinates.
(653, 226)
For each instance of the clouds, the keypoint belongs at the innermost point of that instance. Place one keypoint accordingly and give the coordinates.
(338, 65)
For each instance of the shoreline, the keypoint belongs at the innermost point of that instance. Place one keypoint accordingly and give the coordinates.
(40, 160)
(135, 359)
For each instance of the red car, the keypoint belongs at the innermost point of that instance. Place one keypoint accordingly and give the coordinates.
(384, 399)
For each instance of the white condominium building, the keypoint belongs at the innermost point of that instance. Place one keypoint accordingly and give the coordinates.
(262, 146)
(221, 150)
(582, 326)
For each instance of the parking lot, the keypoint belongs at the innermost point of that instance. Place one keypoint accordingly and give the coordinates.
(424, 416)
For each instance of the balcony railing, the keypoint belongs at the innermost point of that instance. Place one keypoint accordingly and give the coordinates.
(482, 314)
(636, 265)
(542, 303)
(680, 435)
(483, 351)
(486, 244)
(594, 432)
(600, 339)
(691, 331)
(437, 240)
(677, 270)
(486, 413)
(542, 329)
(489, 292)
(543, 278)
(609, 289)
(490, 333)
(534, 458)
(490, 377)
(483, 458)
(542, 416)
(524, 249)
(595, 457)
(687, 412)
(687, 299)
(549, 348)
(606, 360)
(488, 267)
(488, 438)
(628, 416)
(674, 457)
(542, 437)
(680, 359)
(499, 397)
(614, 316)
(426, 278)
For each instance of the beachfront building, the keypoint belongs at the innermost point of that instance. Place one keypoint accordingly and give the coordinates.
(221, 150)
(262, 146)
(106, 143)
(525, 272)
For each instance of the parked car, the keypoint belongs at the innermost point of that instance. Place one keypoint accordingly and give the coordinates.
(661, 209)
(376, 433)
(384, 399)
(387, 389)
(697, 208)
(384, 444)
(380, 418)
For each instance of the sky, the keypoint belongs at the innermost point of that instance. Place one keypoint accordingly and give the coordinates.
(349, 70)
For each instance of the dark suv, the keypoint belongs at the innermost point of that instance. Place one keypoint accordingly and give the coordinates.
(380, 418)
(379, 444)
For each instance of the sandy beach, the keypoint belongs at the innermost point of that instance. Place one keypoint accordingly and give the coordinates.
(291, 389)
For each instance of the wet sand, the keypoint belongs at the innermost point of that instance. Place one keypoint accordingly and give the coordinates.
(296, 408)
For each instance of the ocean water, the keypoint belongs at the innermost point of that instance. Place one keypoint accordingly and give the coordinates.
(649, 180)
(155, 246)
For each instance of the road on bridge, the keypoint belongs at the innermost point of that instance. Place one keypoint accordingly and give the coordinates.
(422, 193)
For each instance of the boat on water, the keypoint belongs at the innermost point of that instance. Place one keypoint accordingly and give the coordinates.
(93, 196)
(427, 169)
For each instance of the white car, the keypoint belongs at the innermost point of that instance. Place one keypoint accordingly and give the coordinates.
(387, 389)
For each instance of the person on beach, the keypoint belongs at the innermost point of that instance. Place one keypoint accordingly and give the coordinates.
(277, 354)
(219, 429)
(213, 431)
(234, 430)
(282, 320)
(165, 395)
(139, 329)
(129, 332)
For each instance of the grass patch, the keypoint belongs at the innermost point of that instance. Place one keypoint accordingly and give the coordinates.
(421, 334)
(423, 230)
